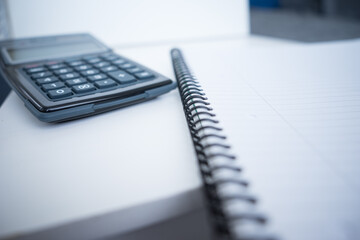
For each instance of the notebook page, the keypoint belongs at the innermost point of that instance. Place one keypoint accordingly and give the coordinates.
(292, 116)
(320, 99)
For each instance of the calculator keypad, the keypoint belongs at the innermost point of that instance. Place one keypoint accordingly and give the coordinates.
(78, 77)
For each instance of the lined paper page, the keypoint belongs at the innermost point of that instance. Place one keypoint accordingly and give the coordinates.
(292, 115)
(318, 95)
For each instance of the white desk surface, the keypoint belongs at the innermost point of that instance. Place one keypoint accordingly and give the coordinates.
(51, 174)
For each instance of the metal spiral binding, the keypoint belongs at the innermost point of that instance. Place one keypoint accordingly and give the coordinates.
(233, 207)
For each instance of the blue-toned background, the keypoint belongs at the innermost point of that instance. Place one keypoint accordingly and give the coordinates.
(264, 3)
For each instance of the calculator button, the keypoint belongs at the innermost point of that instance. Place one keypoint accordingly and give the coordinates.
(109, 69)
(89, 72)
(87, 87)
(122, 77)
(134, 70)
(35, 70)
(31, 66)
(105, 83)
(83, 67)
(144, 75)
(75, 81)
(59, 93)
(55, 66)
(63, 71)
(96, 77)
(46, 80)
(93, 60)
(52, 86)
(69, 76)
(126, 65)
(75, 63)
(41, 75)
(119, 61)
(101, 64)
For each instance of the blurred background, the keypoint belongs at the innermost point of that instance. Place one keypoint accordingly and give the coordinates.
(306, 21)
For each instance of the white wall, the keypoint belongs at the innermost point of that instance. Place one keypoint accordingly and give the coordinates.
(119, 22)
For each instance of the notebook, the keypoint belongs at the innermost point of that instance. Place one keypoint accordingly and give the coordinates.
(290, 115)
(293, 119)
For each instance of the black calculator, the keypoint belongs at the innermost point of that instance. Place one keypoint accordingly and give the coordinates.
(66, 77)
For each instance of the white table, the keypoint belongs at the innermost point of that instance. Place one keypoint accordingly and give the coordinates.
(53, 174)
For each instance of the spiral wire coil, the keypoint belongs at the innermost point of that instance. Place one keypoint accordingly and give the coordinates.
(232, 206)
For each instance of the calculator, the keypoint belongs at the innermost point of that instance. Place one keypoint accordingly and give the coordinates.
(65, 77)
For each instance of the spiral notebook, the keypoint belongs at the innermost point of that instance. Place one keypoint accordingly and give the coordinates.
(290, 115)
(296, 131)
(233, 208)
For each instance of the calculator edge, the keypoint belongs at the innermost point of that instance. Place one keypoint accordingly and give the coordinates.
(97, 108)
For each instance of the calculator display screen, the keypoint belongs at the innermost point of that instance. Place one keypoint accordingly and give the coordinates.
(53, 51)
